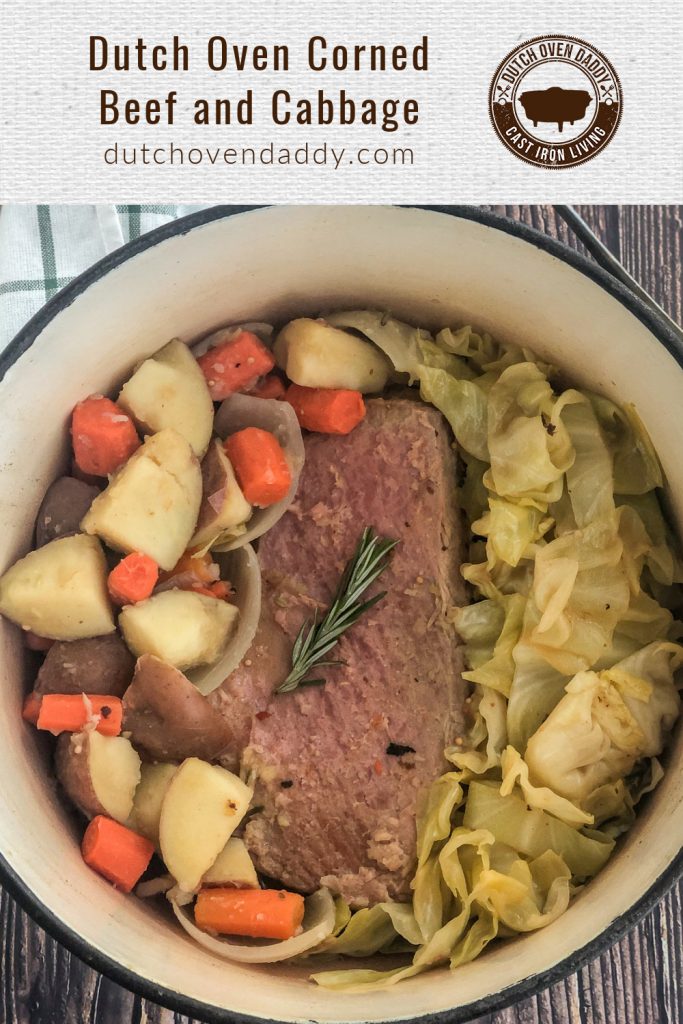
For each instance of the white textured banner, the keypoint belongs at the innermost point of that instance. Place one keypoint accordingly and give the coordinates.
(209, 101)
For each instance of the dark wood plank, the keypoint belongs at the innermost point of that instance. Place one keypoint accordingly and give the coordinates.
(638, 981)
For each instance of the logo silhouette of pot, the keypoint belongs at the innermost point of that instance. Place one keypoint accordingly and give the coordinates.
(555, 105)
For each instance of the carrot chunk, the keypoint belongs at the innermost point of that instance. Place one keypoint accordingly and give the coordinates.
(116, 852)
(31, 708)
(235, 365)
(103, 436)
(71, 712)
(133, 579)
(326, 410)
(260, 465)
(270, 387)
(258, 913)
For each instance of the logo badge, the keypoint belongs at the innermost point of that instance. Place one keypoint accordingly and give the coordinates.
(555, 101)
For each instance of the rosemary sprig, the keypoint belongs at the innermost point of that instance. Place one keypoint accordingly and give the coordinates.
(315, 638)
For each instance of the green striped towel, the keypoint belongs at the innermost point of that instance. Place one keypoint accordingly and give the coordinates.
(43, 247)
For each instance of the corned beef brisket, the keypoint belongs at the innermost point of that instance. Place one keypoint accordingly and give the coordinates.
(341, 767)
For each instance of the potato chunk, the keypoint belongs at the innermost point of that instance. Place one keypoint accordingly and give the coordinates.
(233, 866)
(65, 503)
(100, 664)
(152, 502)
(169, 390)
(99, 773)
(179, 626)
(167, 716)
(202, 807)
(316, 355)
(60, 590)
(154, 781)
(223, 504)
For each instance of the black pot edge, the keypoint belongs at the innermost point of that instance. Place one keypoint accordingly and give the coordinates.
(210, 1013)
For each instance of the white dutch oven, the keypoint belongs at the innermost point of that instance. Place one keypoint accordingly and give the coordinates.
(435, 268)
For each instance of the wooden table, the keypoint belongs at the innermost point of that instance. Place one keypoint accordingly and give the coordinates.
(638, 981)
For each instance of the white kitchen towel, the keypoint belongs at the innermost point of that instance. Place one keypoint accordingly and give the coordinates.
(42, 248)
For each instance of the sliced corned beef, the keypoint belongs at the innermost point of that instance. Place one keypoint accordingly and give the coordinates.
(341, 767)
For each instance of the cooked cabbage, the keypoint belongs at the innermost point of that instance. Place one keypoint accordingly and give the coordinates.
(636, 468)
(569, 647)
(399, 341)
(497, 671)
(536, 687)
(463, 404)
(479, 626)
(589, 479)
(488, 736)
(606, 722)
(531, 831)
(515, 771)
(530, 448)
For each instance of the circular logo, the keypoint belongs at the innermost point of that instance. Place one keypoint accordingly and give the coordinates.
(555, 101)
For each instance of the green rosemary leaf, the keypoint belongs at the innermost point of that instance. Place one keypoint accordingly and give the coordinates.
(303, 639)
(316, 638)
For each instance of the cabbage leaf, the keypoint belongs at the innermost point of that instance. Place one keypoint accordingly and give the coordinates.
(606, 722)
(636, 466)
(463, 404)
(399, 341)
(569, 648)
(497, 672)
(532, 831)
(529, 446)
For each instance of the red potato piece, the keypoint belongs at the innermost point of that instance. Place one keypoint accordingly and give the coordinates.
(169, 390)
(168, 717)
(151, 503)
(99, 773)
(65, 503)
(59, 591)
(101, 664)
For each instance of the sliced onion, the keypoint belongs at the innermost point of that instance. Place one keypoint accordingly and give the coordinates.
(318, 925)
(241, 568)
(264, 332)
(239, 411)
(154, 886)
(216, 500)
